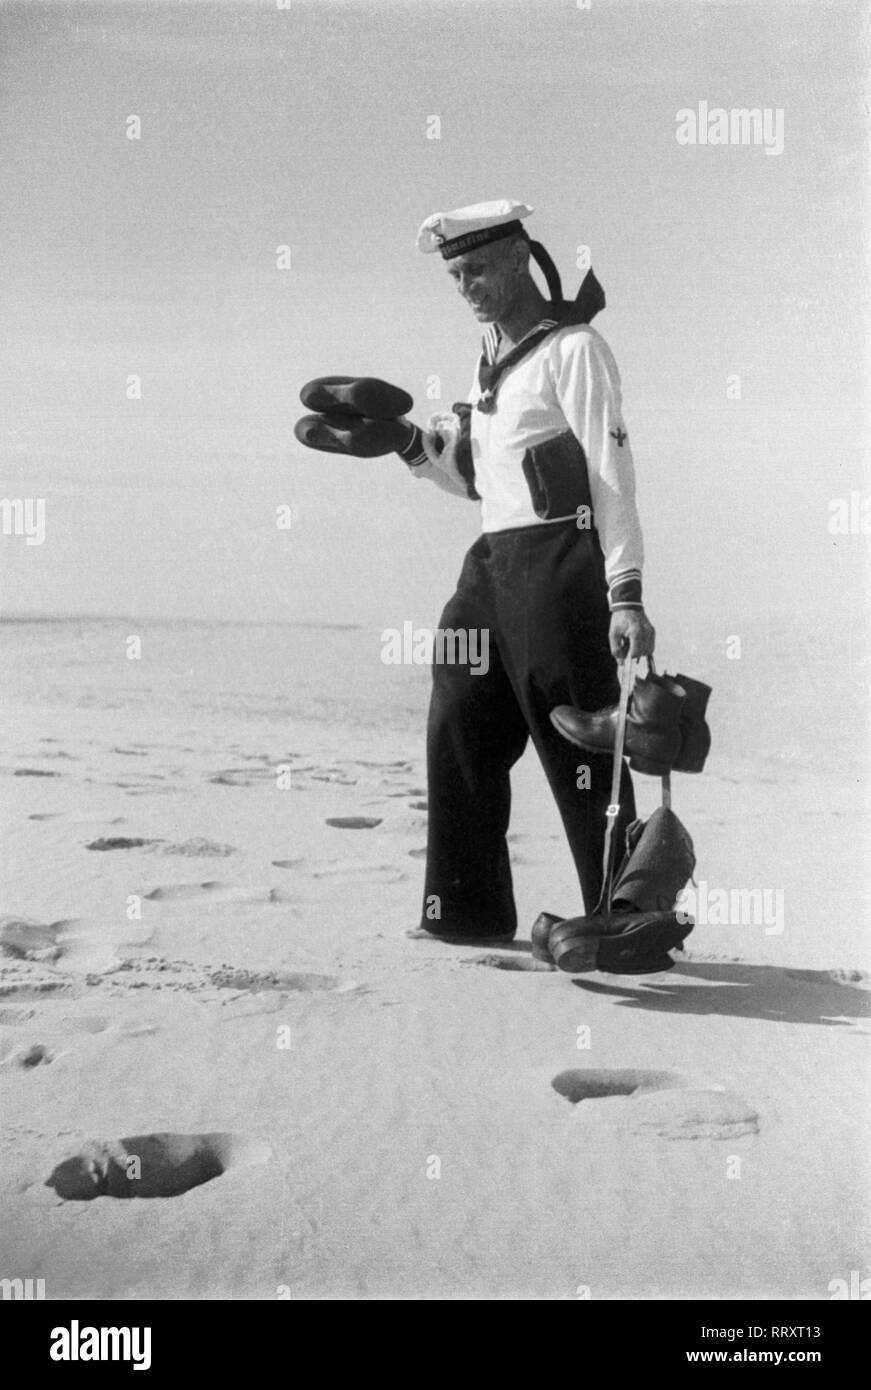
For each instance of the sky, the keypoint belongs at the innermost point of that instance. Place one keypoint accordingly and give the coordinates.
(309, 127)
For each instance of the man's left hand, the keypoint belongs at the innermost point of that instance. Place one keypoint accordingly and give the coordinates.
(631, 634)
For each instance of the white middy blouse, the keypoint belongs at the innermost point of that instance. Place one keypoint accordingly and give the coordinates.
(570, 380)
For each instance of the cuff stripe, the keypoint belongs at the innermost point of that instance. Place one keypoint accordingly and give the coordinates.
(624, 590)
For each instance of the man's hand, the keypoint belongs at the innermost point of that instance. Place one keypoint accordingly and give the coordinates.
(631, 634)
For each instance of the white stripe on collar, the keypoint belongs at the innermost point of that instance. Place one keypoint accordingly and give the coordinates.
(492, 338)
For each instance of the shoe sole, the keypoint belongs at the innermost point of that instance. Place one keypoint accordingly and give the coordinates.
(364, 396)
(619, 955)
(321, 426)
(327, 445)
(637, 951)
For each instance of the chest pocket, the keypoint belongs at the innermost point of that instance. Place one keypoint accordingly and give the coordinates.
(556, 475)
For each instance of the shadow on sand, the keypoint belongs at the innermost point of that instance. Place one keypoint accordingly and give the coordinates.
(736, 990)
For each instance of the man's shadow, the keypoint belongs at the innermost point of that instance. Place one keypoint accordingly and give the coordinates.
(773, 992)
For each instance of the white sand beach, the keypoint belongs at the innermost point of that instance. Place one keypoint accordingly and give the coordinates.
(226, 1072)
(400, 1119)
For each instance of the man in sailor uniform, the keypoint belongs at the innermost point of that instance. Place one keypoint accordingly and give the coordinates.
(554, 578)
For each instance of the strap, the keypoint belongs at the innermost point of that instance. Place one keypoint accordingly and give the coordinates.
(490, 374)
(590, 300)
(613, 811)
(548, 270)
(666, 781)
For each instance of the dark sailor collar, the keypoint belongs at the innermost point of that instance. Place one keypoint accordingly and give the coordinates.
(590, 299)
(493, 337)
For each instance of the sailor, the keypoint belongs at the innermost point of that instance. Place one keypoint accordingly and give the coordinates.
(554, 578)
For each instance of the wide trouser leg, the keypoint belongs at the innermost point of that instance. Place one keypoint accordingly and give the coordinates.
(551, 609)
(476, 732)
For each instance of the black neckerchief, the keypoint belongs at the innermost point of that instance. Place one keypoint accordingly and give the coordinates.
(590, 299)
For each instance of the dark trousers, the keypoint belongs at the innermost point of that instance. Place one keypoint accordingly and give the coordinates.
(539, 592)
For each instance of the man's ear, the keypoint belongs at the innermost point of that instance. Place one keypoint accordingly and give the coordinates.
(520, 252)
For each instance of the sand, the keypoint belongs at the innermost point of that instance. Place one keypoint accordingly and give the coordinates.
(192, 948)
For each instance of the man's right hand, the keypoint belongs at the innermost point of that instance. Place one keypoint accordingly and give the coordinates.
(631, 634)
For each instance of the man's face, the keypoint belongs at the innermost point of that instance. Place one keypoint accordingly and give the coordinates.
(487, 278)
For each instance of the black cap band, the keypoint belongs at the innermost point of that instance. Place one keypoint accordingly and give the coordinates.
(457, 245)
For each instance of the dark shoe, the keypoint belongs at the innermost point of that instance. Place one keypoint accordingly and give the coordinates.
(695, 734)
(642, 948)
(540, 934)
(356, 395)
(341, 434)
(620, 943)
(653, 738)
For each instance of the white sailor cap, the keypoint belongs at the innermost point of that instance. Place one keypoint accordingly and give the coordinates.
(455, 232)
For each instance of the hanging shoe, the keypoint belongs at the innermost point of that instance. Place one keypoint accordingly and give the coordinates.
(653, 737)
(356, 395)
(358, 437)
(694, 731)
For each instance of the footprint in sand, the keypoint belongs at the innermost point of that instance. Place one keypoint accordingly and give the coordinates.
(343, 873)
(353, 822)
(244, 776)
(196, 848)
(29, 1056)
(214, 891)
(298, 981)
(665, 1104)
(34, 988)
(400, 766)
(519, 961)
(107, 842)
(23, 939)
(152, 1165)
